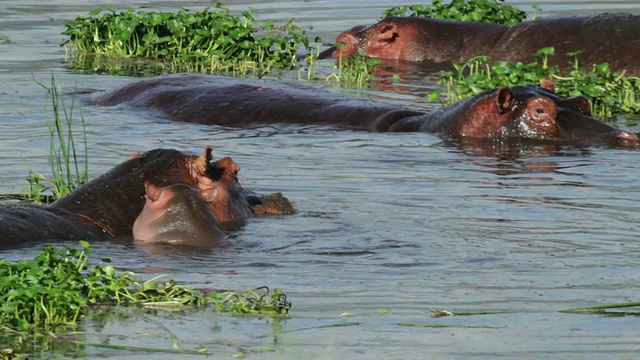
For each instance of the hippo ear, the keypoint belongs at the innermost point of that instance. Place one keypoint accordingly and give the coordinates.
(548, 84)
(504, 100)
(387, 33)
(202, 162)
(133, 155)
(152, 192)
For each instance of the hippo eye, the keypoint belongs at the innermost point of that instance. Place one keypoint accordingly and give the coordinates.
(542, 113)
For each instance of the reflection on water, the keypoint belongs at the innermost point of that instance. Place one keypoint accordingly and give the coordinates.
(403, 222)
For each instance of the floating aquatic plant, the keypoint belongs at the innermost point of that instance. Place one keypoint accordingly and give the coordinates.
(57, 287)
(210, 40)
(610, 93)
(491, 11)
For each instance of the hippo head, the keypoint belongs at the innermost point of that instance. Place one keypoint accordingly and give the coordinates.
(537, 113)
(215, 181)
(412, 38)
(218, 185)
(381, 40)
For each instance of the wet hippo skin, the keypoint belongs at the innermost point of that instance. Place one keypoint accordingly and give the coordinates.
(178, 214)
(613, 38)
(522, 112)
(106, 207)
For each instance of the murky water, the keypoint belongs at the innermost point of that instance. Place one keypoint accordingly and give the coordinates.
(402, 222)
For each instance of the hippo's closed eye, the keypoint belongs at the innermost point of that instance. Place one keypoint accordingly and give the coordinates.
(539, 116)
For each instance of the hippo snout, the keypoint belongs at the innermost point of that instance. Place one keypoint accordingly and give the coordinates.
(625, 138)
(346, 44)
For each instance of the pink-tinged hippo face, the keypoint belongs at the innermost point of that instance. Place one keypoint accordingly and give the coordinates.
(531, 112)
(387, 39)
(178, 214)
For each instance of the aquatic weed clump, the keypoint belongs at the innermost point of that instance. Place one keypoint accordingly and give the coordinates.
(609, 93)
(57, 287)
(257, 301)
(355, 71)
(49, 290)
(204, 41)
(491, 11)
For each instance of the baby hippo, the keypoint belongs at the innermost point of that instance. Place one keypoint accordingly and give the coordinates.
(177, 214)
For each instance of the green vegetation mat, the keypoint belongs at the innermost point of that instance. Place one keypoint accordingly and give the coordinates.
(610, 93)
(492, 11)
(57, 287)
(210, 40)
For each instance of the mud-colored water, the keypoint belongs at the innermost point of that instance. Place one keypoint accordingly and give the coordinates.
(402, 222)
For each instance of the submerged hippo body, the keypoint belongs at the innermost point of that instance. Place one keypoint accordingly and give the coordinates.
(523, 112)
(177, 214)
(21, 224)
(613, 38)
(106, 207)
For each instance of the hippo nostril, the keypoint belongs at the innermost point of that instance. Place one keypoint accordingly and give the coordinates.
(347, 39)
(578, 104)
(624, 138)
(584, 106)
(346, 44)
(540, 111)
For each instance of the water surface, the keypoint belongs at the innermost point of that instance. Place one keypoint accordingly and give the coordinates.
(402, 222)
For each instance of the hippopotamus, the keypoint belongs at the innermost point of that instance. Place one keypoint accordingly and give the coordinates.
(107, 206)
(178, 214)
(523, 112)
(612, 38)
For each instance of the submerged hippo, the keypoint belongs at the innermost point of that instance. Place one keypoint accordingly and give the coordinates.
(523, 112)
(107, 206)
(178, 214)
(613, 38)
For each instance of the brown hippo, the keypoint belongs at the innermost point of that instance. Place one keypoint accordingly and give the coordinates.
(178, 214)
(523, 112)
(107, 206)
(613, 38)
